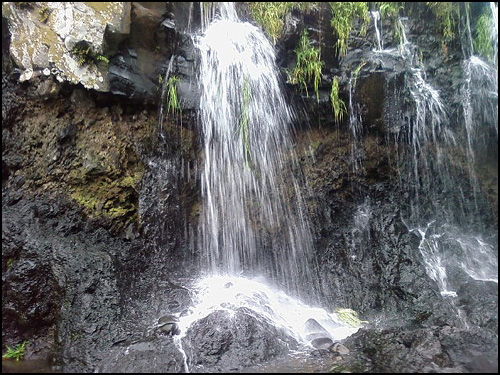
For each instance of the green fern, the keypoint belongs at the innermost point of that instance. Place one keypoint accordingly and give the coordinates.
(309, 65)
(343, 16)
(338, 105)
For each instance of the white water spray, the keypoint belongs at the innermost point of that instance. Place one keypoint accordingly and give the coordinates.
(253, 222)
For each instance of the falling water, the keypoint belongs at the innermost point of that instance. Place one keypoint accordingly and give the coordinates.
(376, 17)
(494, 32)
(439, 205)
(253, 222)
(356, 125)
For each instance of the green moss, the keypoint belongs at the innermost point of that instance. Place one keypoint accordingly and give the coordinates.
(43, 14)
(244, 118)
(349, 317)
(309, 65)
(344, 14)
(108, 198)
(482, 35)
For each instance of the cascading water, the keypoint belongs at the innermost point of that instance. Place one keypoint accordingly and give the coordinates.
(255, 244)
(376, 17)
(248, 226)
(440, 206)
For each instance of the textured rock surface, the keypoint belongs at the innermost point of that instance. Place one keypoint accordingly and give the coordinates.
(44, 46)
(232, 341)
(100, 202)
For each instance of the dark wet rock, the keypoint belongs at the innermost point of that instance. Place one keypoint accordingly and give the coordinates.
(436, 349)
(339, 348)
(322, 343)
(233, 340)
(126, 79)
(157, 355)
(167, 325)
(479, 300)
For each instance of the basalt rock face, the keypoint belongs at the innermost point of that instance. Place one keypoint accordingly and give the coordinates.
(232, 341)
(100, 205)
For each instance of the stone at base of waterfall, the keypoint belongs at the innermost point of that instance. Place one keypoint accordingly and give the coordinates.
(234, 340)
(338, 348)
(167, 325)
(322, 343)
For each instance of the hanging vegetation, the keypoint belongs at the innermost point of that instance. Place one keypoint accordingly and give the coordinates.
(338, 105)
(343, 17)
(446, 14)
(309, 65)
(482, 35)
(271, 15)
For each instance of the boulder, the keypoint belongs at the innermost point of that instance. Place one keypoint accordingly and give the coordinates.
(38, 44)
(226, 340)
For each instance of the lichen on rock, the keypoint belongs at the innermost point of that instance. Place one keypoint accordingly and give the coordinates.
(38, 45)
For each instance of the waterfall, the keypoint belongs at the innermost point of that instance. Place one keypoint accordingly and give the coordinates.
(376, 17)
(253, 221)
(442, 205)
(494, 32)
(356, 125)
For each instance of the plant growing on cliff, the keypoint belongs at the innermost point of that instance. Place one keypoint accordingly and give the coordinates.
(309, 65)
(338, 105)
(17, 352)
(344, 15)
(271, 15)
(446, 14)
(84, 55)
(391, 11)
(482, 35)
(172, 100)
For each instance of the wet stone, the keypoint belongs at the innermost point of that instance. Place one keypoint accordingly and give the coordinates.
(322, 343)
(338, 348)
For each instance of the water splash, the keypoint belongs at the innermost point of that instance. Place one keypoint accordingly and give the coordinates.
(291, 315)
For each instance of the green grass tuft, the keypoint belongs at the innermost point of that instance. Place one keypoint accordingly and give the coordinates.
(338, 105)
(344, 15)
(17, 352)
(309, 65)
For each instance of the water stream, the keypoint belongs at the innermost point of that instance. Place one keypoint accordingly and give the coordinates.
(255, 242)
(443, 206)
(248, 226)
